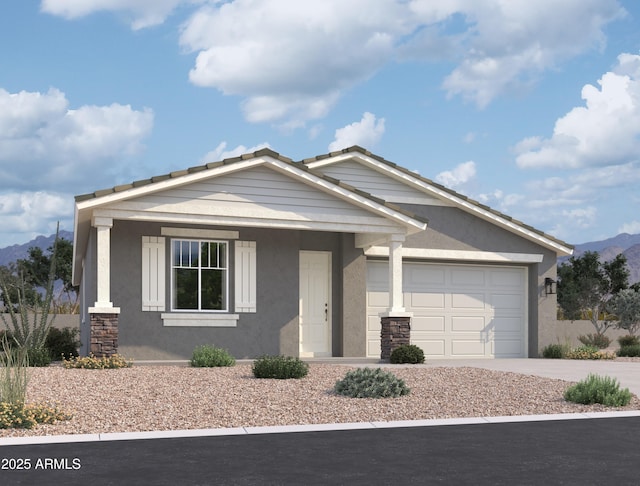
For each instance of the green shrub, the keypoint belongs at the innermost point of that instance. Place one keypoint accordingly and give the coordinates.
(631, 351)
(371, 383)
(555, 351)
(39, 357)
(589, 352)
(14, 374)
(62, 343)
(628, 340)
(407, 353)
(208, 356)
(92, 363)
(596, 340)
(598, 389)
(279, 367)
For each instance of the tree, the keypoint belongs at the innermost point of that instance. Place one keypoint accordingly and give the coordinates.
(626, 307)
(586, 285)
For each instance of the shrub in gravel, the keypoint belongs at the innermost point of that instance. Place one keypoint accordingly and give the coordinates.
(598, 389)
(371, 383)
(62, 343)
(596, 340)
(589, 352)
(407, 353)
(39, 357)
(629, 340)
(20, 416)
(279, 367)
(208, 356)
(632, 351)
(92, 363)
(555, 351)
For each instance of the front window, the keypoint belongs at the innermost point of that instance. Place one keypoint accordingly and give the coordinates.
(199, 274)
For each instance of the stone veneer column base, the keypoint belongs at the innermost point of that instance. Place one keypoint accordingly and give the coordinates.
(395, 332)
(104, 334)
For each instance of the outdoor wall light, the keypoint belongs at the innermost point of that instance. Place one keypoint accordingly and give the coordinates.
(550, 286)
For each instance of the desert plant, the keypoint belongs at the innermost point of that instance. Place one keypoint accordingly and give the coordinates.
(28, 416)
(598, 389)
(14, 374)
(38, 357)
(555, 351)
(407, 353)
(279, 367)
(599, 341)
(628, 340)
(630, 351)
(92, 363)
(208, 356)
(371, 383)
(589, 352)
(62, 343)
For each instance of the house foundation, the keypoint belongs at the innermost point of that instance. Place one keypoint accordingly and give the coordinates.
(395, 331)
(104, 335)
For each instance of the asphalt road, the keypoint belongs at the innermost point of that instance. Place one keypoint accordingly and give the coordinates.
(565, 452)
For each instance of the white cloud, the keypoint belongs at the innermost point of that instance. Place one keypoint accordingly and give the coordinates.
(291, 61)
(221, 152)
(42, 140)
(34, 213)
(606, 131)
(366, 133)
(141, 13)
(460, 175)
(632, 227)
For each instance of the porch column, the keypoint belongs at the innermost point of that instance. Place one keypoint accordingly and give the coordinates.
(103, 316)
(395, 324)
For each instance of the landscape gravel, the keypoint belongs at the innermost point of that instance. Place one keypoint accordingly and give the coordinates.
(146, 398)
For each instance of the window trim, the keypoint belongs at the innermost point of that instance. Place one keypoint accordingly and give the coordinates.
(172, 267)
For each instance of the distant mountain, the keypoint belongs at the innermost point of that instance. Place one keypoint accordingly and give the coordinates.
(628, 245)
(16, 252)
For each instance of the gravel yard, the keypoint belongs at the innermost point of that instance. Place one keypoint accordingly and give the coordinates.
(145, 398)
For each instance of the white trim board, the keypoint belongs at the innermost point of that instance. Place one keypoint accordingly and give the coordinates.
(457, 255)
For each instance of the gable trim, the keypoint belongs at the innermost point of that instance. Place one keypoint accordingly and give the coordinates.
(458, 255)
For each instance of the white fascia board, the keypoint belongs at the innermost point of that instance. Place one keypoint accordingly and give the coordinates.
(458, 255)
(350, 196)
(174, 218)
(457, 201)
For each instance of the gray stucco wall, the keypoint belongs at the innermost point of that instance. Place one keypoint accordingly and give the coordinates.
(273, 329)
(453, 229)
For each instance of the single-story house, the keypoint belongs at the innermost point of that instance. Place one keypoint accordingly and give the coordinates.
(344, 254)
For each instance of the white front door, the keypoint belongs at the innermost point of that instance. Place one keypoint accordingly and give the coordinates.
(315, 303)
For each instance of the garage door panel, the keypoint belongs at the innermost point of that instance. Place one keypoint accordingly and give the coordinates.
(468, 324)
(468, 301)
(421, 324)
(467, 348)
(426, 300)
(462, 311)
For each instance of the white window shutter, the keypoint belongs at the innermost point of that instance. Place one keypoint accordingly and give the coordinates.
(153, 273)
(245, 276)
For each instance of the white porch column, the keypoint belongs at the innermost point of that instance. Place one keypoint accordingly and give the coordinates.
(103, 262)
(395, 274)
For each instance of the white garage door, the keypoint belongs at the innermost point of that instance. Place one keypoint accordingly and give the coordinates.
(459, 311)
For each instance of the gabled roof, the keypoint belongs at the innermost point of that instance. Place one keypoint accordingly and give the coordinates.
(456, 199)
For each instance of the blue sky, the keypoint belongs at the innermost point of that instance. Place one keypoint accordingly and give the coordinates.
(530, 107)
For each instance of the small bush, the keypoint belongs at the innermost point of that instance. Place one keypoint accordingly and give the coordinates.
(62, 343)
(598, 389)
(20, 416)
(92, 363)
(599, 341)
(38, 357)
(208, 356)
(371, 383)
(407, 353)
(629, 340)
(589, 352)
(631, 351)
(279, 367)
(555, 351)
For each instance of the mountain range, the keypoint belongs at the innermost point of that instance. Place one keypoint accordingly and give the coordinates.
(628, 245)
